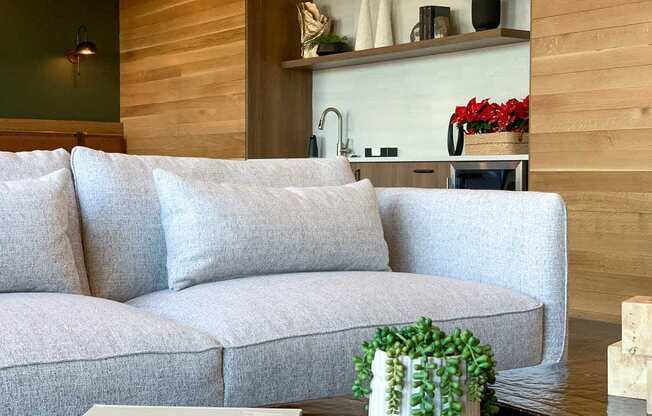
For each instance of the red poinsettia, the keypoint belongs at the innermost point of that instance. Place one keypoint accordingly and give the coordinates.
(487, 117)
(514, 115)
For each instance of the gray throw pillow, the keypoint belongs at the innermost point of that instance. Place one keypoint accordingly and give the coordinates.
(36, 254)
(216, 231)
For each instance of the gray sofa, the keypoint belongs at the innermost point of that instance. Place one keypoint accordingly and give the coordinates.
(492, 262)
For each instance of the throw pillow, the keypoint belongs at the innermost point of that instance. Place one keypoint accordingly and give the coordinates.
(37, 254)
(217, 231)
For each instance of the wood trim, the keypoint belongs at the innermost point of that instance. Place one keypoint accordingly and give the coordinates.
(23, 135)
(60, 126)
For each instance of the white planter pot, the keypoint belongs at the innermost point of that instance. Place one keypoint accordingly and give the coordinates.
(378, 404)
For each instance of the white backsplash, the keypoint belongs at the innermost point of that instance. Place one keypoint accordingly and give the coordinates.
(408, 104)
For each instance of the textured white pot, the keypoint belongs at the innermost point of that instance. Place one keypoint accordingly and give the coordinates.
(364, 38)
(378, 404)
(384, 33)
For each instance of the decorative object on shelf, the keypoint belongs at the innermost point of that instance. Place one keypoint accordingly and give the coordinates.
(434, 22)
(313, 25)
(486, 14)
(490, 128)
(630, 360)
(364, 38)
(419, 370)
(384, 33)
(331, 44)
(83, 47)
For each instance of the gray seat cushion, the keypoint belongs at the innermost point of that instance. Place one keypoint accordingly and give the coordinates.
(60, 354)
(292, 337)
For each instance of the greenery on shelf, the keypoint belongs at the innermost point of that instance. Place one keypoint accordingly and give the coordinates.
(330, 38)
(420, 342)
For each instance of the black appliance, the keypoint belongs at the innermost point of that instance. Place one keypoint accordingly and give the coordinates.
(489, 175)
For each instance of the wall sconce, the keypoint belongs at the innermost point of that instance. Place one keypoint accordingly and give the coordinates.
(84, 48)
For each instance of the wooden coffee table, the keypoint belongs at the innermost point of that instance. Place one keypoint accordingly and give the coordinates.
(577, 388)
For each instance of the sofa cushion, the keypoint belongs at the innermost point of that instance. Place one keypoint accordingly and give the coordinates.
(292, 337)
(60, 354)
(32, 165)
(125, 244)
(217, 231)
(36, 254)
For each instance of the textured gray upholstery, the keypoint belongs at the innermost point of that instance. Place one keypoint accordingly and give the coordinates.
(515, 240)
(32, 165)
(120, 210)
(60, 354)
(292, 337)
(36, 254)
(218, 231)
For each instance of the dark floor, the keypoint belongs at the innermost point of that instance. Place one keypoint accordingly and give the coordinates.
(588, 341)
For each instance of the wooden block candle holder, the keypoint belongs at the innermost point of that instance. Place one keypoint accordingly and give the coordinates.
(627, 373)
(630, 361)
(637, 325)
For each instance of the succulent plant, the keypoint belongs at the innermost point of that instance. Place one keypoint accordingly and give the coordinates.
(420, 342)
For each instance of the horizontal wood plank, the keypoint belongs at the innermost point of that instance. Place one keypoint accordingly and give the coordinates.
(603, 120)
(594, 19)
(547, 8)
(592, 41)
(594, 80)
(619, 150)
(636, 55)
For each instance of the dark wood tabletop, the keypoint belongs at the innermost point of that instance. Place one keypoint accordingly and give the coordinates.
(575, 388)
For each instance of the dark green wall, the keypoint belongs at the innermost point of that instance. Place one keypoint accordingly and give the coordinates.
(36, 79)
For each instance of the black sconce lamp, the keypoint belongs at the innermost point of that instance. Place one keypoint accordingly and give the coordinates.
(84, 48)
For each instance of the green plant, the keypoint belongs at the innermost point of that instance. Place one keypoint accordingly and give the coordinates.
(328, 38)
(421, 342)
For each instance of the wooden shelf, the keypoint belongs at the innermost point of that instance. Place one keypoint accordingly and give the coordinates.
(456, 43)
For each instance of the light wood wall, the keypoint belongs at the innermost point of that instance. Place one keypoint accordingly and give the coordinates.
(183, 77)
(592, 142)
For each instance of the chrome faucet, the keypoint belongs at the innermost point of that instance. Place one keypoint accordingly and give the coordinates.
(342, 148)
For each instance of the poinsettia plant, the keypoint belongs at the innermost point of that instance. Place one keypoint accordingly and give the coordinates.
(488, 117)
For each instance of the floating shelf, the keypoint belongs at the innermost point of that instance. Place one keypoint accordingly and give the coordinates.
(455, 43)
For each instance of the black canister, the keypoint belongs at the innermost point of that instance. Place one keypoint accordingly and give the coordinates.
(486, 14)
(313, 149)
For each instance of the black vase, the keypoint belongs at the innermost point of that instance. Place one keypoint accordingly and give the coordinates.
(486, 14)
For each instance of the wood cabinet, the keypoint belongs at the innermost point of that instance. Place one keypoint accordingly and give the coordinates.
(204, 78)
(403, 174)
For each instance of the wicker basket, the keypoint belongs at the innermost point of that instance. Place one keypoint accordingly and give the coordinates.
(504, 143)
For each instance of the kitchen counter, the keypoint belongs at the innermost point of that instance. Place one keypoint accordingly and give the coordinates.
(495, 158)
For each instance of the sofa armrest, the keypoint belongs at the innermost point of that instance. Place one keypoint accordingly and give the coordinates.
(514, 240)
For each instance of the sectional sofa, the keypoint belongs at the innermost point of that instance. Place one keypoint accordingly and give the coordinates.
(493, 262)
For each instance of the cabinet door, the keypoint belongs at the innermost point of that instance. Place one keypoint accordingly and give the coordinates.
(399, 174)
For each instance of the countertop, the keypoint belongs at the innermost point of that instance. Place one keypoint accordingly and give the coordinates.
(496, 158)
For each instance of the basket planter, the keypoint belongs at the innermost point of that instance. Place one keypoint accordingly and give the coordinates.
(503, 143)
(378, 405)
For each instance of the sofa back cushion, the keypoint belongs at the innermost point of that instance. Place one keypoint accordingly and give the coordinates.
(218, 231)
(32, 165)
(121, 214)
(36, 254)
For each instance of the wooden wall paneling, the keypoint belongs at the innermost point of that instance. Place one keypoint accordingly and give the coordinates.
(183, 89)
(591, 141)
(279, 101)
